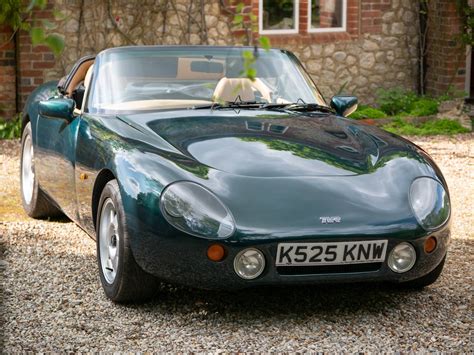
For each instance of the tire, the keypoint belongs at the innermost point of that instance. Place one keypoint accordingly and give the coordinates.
(426, 280)
(122, 279)
(35, 203)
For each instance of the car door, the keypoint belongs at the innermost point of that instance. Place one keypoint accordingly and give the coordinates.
(56, 146)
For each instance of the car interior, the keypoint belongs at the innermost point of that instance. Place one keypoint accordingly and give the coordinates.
(77, 83)
(193, 81)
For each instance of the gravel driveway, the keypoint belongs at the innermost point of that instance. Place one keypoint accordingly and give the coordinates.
(52, 300)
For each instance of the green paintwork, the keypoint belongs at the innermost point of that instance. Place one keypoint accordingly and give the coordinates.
(277, 172)
(57, 108)
(344, 105)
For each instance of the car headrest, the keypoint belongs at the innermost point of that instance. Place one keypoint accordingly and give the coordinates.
(87, 79)
(229, 89)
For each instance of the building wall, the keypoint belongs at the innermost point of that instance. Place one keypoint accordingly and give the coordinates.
(377, 50)
(7, 73)
(446, 54)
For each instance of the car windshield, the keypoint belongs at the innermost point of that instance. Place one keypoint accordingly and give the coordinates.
(130, 79)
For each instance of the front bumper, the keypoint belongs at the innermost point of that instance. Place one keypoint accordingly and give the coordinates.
(182, 259)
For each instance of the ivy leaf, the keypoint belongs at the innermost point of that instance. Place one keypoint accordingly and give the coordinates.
(24, 26)
(41, 4)
(37, 35)
(239, 7)
(238, 19)
(247, 55)
(49, 25)
(264, 42)
(251, 73)
(55, 42)
(58, 15)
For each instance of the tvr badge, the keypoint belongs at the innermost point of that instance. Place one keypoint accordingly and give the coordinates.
(330, 220)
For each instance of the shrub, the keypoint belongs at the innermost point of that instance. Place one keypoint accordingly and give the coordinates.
(429, 128)
(10, 129)
(396, 101)
(364, 111)
(424, 106)
(406, 103)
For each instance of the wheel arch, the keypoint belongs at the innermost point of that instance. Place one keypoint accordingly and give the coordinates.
(102, 179)
(24, 121)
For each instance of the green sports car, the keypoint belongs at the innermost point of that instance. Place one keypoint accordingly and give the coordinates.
(185, 171)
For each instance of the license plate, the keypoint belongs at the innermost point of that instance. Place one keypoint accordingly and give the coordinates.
(301, 254)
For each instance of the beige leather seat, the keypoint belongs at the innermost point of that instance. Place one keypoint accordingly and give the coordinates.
(86, 83)
(87, 79)
(79, 76)
(229, 89)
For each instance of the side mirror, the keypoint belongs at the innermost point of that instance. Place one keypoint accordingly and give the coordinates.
(61, 108)
(344, 105)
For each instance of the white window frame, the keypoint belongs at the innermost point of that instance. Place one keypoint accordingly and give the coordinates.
(329, 29)
(296, 14)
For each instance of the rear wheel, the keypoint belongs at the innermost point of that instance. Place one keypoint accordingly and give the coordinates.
(426, 280)
(34, 200)
(121, 277)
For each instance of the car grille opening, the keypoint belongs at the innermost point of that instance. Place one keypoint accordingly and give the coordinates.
(328, 269)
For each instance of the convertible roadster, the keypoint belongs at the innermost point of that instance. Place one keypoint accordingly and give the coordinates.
(185, 171)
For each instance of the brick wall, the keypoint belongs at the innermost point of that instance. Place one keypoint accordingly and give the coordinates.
(305, 37)
(7, 73)
(33, 62)
(446, 56)
(377, 49)
(371, 15)
(30, 63)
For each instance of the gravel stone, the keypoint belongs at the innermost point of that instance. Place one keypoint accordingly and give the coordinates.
(51, 299)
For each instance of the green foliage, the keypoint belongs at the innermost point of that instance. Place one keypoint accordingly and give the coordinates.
(15, 14)
(11, 14)
(55, 42)
(424, 106)
(364, 111)
(249, 57)
(248, 61)
(467, 14)
(451, 94)
(264, 42)
(10, 129)
(406, 103)
(443, 126)
(395, 101)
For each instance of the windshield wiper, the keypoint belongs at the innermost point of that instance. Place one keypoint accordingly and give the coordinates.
(267, 106)
(308, 107)
(231, 105)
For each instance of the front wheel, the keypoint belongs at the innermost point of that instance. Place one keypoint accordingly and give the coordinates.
(121, 277)
(35, 202)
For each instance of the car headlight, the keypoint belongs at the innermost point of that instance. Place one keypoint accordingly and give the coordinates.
(429, 202)
(193, 209)
(402, 257)
(249, 263)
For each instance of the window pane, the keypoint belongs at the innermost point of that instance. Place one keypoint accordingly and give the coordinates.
(138, 79)
(326, 13)
(278, 15)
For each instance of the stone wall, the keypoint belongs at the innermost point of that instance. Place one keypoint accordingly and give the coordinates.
(378, 50)
(383, 53)
(92, 26)
(374, 60)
